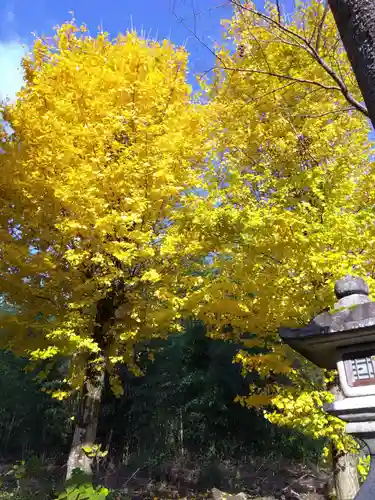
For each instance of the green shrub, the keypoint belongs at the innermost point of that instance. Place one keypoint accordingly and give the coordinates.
(363, 467)
(80, 487)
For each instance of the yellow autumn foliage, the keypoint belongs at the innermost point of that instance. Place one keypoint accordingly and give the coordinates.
(97, 181)
(291, 171)
(127, 205)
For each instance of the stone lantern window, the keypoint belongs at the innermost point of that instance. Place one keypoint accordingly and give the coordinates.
(359, 371)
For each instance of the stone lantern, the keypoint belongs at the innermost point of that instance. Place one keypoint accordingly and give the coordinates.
(344, 339)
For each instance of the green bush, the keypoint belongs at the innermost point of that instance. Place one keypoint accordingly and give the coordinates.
(80, 487)
(363, 467)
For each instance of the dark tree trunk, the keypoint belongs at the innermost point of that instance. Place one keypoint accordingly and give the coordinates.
(87, 423)
(355, 21)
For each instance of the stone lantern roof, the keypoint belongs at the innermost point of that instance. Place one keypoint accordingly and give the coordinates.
(350, 323)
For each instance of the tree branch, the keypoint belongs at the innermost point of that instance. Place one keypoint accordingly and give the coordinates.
(279, 75)
(344, 89)
(278, 11)
(180, 21)
(343, 110)
(292, 34)
(320, 26)
(310, 49)
(46, 298)
(258, 98)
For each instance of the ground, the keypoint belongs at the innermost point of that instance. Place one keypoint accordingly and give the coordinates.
(255, 478)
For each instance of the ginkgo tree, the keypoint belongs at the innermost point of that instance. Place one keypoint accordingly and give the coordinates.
(291, 170)
(99, 180)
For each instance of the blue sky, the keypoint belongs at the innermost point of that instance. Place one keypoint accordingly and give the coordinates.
(20, 18)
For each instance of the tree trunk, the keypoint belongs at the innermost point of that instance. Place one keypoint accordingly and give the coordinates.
(355, 20)
(87, 423)
(345, 475)
(182, 448)
(345, 472)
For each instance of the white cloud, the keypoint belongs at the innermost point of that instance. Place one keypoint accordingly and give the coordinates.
(11, 53)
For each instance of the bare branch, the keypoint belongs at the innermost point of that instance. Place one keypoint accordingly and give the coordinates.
(289, 32)
(45, 298)
(259, 98)
(344, 89)
(271, 257)
(332, 48)
(320, 26)
(305, 147)
(261, 49)
(342, 110)
(200, 13)
(296, 40)
(194, 16)
(179, 20)
(282, 77)
(278, 11)
(310, 49)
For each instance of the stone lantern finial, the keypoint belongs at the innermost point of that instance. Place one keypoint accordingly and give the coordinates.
(350, 285)
(350, 291)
